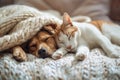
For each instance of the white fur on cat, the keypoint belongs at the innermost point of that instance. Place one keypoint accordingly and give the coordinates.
(86, 37)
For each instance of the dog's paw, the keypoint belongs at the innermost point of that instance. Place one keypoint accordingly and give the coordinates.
(57, 55)
(19, 54)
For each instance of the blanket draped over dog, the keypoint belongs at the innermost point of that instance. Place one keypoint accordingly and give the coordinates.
(18, 24)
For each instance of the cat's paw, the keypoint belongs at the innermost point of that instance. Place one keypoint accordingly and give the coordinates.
(57, 55)
(82, 53)
(80, 56)
(115, 52)
(19, 54)
(114, 55)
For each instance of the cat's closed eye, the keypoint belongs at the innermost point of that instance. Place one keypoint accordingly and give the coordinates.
(69, 37)
(61, 41)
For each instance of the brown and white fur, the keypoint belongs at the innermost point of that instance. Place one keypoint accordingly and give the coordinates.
(81, 37)
(41, 45)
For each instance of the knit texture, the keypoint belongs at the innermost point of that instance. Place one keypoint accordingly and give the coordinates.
(94, 67)
(18, 24)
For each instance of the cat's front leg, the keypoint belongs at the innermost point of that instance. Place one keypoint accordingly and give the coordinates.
(82, 52)
(59, 53)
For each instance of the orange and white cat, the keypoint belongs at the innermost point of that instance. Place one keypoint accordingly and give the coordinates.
(81, 37)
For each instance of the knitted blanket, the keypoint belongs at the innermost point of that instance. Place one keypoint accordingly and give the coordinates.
(18, 24)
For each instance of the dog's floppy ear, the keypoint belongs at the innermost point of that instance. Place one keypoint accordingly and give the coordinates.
(66, 19)
(51, 28)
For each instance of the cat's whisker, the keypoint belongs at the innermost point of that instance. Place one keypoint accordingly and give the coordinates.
(72, 50)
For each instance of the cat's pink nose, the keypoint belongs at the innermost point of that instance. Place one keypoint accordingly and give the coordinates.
(69, 47)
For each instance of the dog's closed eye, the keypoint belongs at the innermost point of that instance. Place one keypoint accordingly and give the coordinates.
(33, 47)
(46, 39)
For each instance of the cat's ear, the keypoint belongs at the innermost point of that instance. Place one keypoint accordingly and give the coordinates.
(66, 19)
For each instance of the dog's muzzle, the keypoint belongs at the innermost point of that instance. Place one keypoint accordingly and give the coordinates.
(43, 53)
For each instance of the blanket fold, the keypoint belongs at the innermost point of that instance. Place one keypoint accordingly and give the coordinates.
(20, 23)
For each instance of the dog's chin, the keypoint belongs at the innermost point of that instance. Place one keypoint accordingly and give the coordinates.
(35, 54)
(48, 53)
(44, 55)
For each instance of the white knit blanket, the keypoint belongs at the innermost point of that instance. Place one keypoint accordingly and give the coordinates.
(18, 24)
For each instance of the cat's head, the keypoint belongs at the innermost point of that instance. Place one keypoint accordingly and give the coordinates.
(66, 36)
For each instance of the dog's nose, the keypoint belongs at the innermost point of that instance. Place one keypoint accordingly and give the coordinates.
(42, 53)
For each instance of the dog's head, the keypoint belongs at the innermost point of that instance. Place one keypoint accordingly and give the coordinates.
(43, 44)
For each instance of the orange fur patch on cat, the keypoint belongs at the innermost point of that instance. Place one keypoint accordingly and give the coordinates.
(79, 38)
(98, 24)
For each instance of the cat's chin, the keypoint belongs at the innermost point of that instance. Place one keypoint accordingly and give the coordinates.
(70, 50)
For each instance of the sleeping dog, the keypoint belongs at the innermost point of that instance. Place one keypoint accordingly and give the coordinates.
(41, 45)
